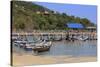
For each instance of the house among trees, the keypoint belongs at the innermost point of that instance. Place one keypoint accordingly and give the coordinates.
(42, 12)
(38, 12)
(46, 13)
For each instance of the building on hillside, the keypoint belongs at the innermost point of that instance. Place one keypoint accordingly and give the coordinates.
(74, 25)
(91, 28)
(38, 12)
(46, 13)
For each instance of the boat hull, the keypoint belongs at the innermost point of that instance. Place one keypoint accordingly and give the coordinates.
(28, 49)
(42, 49)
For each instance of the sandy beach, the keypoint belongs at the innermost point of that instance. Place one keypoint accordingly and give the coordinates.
(72, 52)
(25, 59)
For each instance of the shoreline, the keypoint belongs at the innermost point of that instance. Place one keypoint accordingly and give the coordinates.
(25, 59)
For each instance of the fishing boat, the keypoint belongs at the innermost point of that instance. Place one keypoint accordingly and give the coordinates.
(36, 44)
(39, 46)
(82, 38)
(20, 43)
(28, 46)
(43, 46)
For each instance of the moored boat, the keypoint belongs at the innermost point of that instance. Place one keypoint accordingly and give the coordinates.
(82, 38)
(20, 43)
(43, 46)
(35, 45)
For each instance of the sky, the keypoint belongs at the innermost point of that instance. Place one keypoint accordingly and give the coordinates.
(82, 11)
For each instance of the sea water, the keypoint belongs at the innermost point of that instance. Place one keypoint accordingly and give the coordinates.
(60, 48)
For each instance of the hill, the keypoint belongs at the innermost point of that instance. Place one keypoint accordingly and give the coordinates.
(28, 16)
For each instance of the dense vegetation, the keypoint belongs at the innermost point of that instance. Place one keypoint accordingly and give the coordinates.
(28, 16)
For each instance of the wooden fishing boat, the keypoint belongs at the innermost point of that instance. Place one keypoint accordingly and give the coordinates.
(44, 46)
(20, 43)
(38, 46)
(82, 38)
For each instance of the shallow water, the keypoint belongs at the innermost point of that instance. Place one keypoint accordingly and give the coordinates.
(76, 48)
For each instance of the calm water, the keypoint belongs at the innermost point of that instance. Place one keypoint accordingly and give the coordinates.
(77, 48)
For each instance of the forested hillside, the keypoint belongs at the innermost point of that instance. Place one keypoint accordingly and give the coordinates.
(28, 16)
